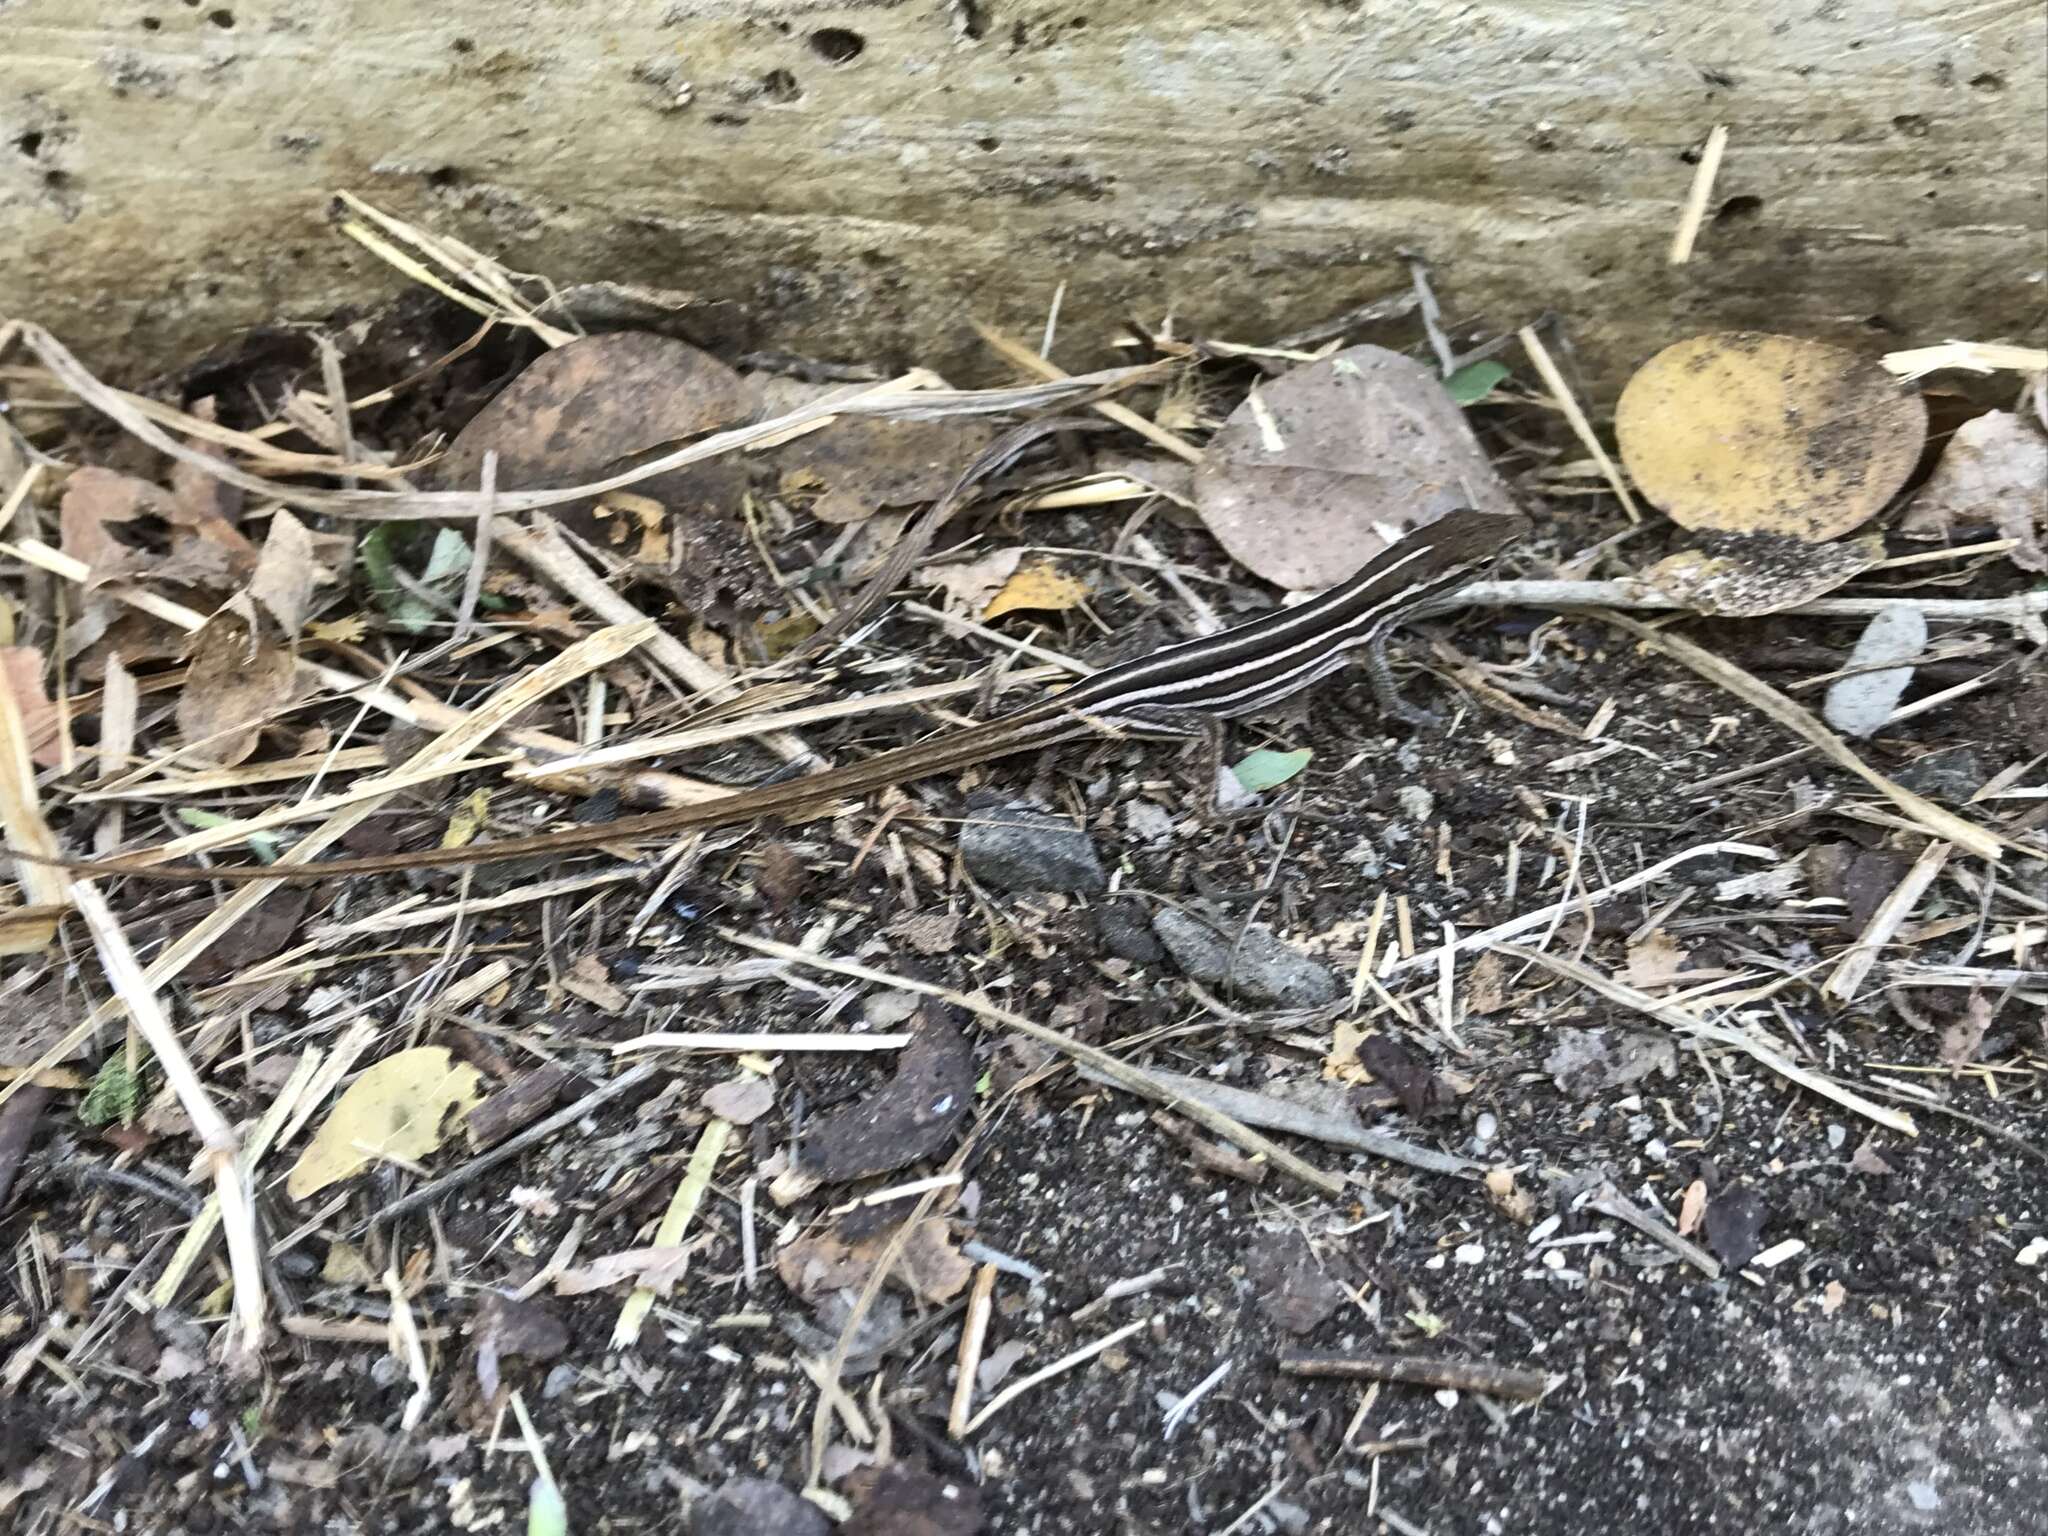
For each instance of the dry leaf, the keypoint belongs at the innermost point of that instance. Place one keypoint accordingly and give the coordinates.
(973, 584)
(1879, 672)
(1960, 1041)
(470, 818)
(1654, 962)
(1747, 575)
(1323, 467)
(21, 674)
(659, 1269)
(1486, 985)
(585, 407)
(239, 681)
(286, 574)
(1994, 470)
(1753, 433)
(96, 502)
(931, 1267)
(860, 464)
(589, 980)
(1041, 587)
(399, 1108)
(1692, 1207)
(742, 1100)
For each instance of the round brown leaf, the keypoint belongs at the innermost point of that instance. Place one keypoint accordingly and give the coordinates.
(583, 408)
(1325, 466)
(1752, 433)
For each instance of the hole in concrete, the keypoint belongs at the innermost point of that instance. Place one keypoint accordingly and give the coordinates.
(1990, 80)
(30, 143)
(780, 85)
(1738, 208)
(988, 144)
(838, 45)
(223, 19)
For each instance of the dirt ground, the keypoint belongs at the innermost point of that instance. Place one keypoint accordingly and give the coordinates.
(1890, 1375)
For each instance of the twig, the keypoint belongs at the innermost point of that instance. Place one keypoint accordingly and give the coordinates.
(1803, 723)
(479, 548)
(1527, 921)
(1611, 1202)
(1568, 403)
(675, 1221)
(483, 1162)
(761, 1041)
(1696, 200)
(1024, 358)
(1271, 1114)
(1144, 1084)
(1059, 1367)
(973, 1334)
(1720, 1034)
(1456, 1375)
(1849, 974)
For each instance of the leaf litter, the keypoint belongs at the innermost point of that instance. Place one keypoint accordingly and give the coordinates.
(1675, 1042)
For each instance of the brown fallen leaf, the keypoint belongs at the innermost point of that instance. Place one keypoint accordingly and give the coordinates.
(911, 1116)
(1653, 961)
(742, 1099)
(586, 407)
(1960, 1040)
(1752, 433)
(1321, 468)
(1692, 1208)
(1748, 575)
(96, 503)
(21, 674)
(240, 679)
(859, 465)
(1994, 470)
(973, 584)
(931, 1266)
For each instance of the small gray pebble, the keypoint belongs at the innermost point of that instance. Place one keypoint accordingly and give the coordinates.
(1016, 848)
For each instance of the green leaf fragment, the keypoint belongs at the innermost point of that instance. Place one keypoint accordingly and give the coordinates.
(1266, 769)
(1475, 381)
(115, 1094)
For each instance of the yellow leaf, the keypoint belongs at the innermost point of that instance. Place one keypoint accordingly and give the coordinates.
(396, 1109)
(346, 631)
(468, 820)
(1037, 586)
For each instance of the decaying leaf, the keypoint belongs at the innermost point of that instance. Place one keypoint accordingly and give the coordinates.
(399, 1108)
(1654, 961)
(1747, 575)
(1044, 588)
(973, 584)
(859, 465)
(96, 503)
(240, 678)
(1508, 1197)
(281, 590)
(742, 1099)
(911, 1116)
(1752, 433)
(21, 674)
(931, 1267)
(659, 1269)
(1265, 769)
(1323, 467)
(1994, 470)
(589, 406)
(1879, 670)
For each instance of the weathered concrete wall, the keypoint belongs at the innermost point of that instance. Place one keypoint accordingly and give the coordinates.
(860, 177)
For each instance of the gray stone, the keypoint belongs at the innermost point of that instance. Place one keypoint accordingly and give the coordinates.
(1263, 969)
(747, 1506)
(1017, 848)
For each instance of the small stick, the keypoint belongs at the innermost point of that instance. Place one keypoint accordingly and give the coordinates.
(1024, 358)
(1611, 1202)
(973, 1335)
(1059, 1367)
(1457, 1375)
(675, 1221)
(480, 548)
(1696, 201)
(1568, 403)
(1850, 973)
(762, 1042)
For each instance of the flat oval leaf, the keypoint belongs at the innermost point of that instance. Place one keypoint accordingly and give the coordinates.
(399, 1108)
(1266, 769)
(1752, 433)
